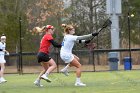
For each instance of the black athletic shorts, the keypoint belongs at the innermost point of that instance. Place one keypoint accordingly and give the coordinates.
(43, 57)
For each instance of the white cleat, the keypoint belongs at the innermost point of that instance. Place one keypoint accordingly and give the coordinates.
(3, 81)
(65, 72)
(45, 78)
(80, 84)
(38, 84)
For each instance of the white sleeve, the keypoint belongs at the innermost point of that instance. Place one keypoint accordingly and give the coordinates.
(84, 37)
(73, 38)
(0, 45)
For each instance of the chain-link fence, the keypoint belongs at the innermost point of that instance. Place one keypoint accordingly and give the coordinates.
(96, 60)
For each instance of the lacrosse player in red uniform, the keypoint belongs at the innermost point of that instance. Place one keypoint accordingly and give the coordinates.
(43, 55)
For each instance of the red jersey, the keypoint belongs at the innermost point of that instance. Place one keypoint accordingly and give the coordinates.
(45, 43)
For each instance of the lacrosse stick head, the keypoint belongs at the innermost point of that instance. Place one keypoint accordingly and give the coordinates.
(107, 23)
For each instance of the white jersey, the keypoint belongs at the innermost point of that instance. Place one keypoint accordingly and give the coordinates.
(2, 54)
(68, 43)
(2, 46)
(66, 49)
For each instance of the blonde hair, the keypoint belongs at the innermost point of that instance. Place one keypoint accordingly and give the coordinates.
(68, 27)
(38, 29)
(42, 29)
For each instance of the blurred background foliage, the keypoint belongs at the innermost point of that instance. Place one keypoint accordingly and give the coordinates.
(89, 16)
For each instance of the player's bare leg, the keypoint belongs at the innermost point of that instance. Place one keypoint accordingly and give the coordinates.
(76, 63)
(37, 81)
(52, 66)
(2, 80)
(65, 69)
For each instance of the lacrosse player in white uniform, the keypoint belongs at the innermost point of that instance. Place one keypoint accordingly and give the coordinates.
(66, 51)
(2, 59)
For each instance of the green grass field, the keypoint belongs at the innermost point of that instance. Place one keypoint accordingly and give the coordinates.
(97, 82)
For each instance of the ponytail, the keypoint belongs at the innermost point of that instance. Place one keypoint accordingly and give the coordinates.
(38, 29)
(67, 28)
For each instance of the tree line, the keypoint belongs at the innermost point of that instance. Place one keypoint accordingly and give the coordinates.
(87, 14)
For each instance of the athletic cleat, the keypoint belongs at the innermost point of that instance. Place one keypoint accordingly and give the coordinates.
(38, 84)
(45, 78)
(65, 72)
(80, 84)
(3, 81)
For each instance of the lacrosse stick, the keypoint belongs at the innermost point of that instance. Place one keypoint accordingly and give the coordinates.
(106, 24)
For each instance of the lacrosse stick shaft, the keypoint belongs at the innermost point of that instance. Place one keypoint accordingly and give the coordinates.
(106, 24)
(98, 32)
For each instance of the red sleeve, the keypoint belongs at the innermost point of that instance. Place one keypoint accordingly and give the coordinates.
(49, 37)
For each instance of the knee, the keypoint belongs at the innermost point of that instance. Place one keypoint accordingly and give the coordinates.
(79, 66)
(54, 65)
(78, 59)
